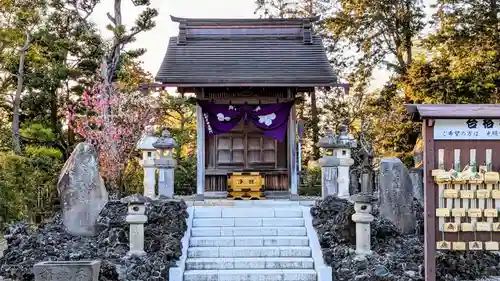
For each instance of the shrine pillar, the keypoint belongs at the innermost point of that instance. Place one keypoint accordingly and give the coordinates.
(200, 153)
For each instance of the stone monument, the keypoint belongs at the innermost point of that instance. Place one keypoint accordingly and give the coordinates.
(82, 190)
(396, 195)
(165, 164)
(67, 270)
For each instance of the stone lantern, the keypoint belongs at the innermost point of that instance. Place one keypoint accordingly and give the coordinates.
(335, 162)
(145, 144)
(165, 164)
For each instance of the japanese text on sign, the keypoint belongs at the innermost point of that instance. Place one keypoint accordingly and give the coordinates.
(467, 129)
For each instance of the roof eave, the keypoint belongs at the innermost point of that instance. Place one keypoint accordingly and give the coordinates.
(287, 85)
(229, 21)
(452, 111)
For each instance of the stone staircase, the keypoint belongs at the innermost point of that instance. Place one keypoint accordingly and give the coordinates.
(249, 243)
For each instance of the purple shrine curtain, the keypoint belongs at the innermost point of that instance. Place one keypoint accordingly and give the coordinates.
(272, 119)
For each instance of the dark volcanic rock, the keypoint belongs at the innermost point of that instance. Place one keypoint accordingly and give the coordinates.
(395, 257)
(51, 242)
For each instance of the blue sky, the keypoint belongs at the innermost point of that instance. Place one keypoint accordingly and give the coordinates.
(156, 40)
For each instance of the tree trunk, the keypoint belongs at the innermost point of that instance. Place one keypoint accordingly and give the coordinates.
(16, 138)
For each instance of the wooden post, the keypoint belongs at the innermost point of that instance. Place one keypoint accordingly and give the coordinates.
(200, 154)
(292, 150)
(429, 202)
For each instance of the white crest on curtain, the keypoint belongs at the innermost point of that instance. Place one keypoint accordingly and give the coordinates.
(267, 119)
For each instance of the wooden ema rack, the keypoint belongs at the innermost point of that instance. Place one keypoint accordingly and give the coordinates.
(245, 186)
(468, 204)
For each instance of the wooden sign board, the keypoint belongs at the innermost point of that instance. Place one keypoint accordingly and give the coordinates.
(461, 179)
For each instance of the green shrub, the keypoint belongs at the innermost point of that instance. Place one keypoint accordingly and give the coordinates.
(310, 182)
(185, 176)
(28, 184)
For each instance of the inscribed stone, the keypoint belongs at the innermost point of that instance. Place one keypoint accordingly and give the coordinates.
(396, 195)
(82, 190)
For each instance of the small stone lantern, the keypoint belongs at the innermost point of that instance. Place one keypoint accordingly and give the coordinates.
(363, 218)
(148, 160)
(165, 164)
(136, 218)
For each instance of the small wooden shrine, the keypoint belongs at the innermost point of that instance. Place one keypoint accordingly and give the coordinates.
(246, 74)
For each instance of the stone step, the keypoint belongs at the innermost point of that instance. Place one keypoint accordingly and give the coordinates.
(229, 241)
(249, 263)
(213, 222)
(248, 252)
(248, 231)
(251, 275)
(242, 212)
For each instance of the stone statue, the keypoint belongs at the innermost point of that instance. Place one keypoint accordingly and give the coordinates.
(82, 190)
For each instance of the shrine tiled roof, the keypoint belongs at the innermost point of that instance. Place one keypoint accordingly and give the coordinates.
(245, 52)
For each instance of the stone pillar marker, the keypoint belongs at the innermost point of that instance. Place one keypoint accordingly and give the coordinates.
(165, 164)
(136, 218)
(335, 163)
(148, 160)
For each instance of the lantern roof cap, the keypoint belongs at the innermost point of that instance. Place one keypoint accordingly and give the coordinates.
(147, 139)
(165, 141)
(343, 140)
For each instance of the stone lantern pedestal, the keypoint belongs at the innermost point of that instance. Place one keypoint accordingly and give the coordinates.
(363, 219)
(166, 164)
(148, 161)
(136, 218)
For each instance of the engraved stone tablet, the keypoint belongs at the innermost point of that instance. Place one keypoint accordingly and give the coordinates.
(67, 270)
(82, 190)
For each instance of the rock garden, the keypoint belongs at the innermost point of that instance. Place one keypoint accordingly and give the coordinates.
(395, 257)
(52, 242)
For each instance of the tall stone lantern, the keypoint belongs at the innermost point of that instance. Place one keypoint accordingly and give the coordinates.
(165, 164)
(335, 162)
(145, 144)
